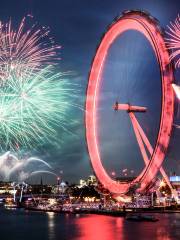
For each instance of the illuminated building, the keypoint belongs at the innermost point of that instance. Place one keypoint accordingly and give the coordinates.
(6, 188)
(82, 183)
(92, 180)
(175, 181)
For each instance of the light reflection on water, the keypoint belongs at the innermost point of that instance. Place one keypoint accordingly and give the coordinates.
(51, 225)
(20, 224)
(93, 227)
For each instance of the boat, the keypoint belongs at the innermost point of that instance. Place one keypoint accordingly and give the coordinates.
(141, 218)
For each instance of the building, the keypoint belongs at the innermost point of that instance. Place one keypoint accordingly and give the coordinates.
(91, 180)
(6, 188)
(82, 183)
(175, 181)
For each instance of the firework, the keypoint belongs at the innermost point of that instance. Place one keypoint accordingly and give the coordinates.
(42, 171)
(34, 98)
(11, 164)
(21, 48)
(176, 90)
(32, 105)
(173, 41)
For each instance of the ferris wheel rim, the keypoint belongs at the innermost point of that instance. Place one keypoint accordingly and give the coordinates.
(143, 23)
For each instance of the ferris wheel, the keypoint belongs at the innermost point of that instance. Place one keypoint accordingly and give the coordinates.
(145, 24)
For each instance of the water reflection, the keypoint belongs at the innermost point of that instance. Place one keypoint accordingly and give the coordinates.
(19, 224)
(162, 234)
(93, 227)
(51, 225)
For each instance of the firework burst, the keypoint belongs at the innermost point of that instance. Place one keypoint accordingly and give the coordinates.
(173, 41)
(32, 105)
(11, 164)
(34, 97)
(25, 48)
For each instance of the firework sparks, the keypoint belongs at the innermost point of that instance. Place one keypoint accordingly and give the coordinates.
(42, 171)
(34, 97)
(11, 164)
(173, 41)
(176, 90)
(22, 48)
(31, 106)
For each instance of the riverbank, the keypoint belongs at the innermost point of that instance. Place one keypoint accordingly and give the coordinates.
(114, 213)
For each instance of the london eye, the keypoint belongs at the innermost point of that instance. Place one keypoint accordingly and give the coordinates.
(152, 155)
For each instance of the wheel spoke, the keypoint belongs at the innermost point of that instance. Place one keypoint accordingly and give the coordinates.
(148, 145)
(139, 139)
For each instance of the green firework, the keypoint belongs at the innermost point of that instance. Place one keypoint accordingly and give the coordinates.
(32, 105)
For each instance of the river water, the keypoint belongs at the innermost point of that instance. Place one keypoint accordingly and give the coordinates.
(25, 225)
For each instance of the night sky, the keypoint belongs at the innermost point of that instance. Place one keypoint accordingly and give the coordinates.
(78, 25)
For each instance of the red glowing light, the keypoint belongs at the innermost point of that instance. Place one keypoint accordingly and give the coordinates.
(113, 173)
(93, 227)
(145, 25)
